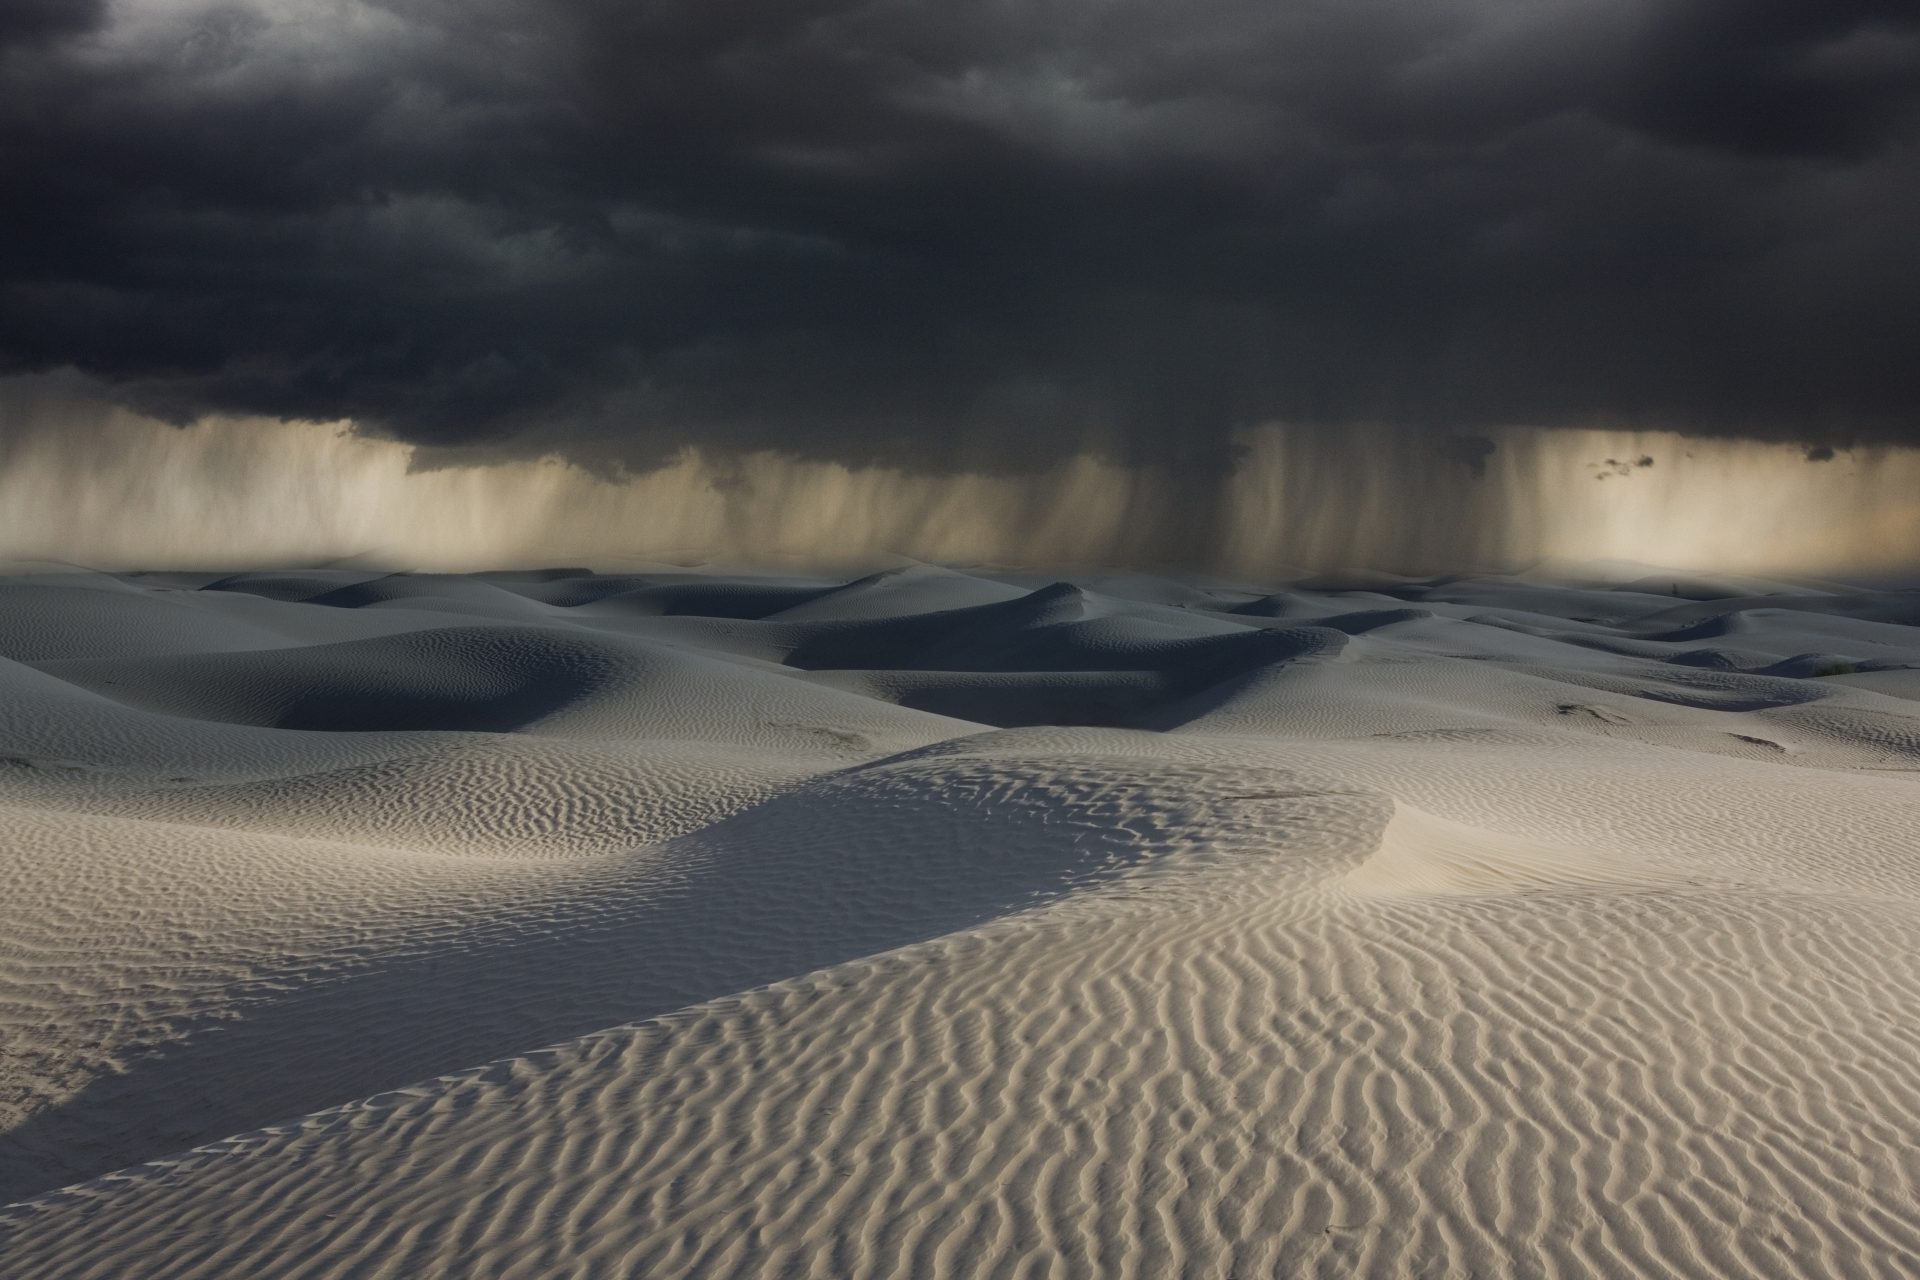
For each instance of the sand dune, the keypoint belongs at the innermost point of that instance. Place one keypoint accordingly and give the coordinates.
(945, 923)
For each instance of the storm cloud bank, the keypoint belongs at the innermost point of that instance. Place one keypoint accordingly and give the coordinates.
(83, 482)
(961, 235)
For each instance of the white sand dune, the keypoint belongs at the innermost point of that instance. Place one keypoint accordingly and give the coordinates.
(935, 923)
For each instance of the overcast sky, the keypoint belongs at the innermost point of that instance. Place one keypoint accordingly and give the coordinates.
(961, 232)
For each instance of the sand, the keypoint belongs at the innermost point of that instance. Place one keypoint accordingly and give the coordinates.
(941, 923)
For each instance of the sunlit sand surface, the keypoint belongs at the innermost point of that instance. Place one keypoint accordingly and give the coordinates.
(943, 923)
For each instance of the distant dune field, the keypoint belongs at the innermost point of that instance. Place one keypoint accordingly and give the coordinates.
(941, 924)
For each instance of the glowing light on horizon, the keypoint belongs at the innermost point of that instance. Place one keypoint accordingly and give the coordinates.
(83, 482)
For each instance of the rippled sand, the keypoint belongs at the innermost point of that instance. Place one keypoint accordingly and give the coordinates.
(947, 924)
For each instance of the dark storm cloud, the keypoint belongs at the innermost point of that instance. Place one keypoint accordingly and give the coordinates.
(964, 230)
(34, 21)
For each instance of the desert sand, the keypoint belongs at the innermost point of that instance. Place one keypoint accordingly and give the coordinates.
(687, 922)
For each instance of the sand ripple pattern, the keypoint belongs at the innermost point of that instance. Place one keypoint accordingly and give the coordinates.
(1461, 946)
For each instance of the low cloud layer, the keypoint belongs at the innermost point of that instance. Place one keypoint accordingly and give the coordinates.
(967, 234)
